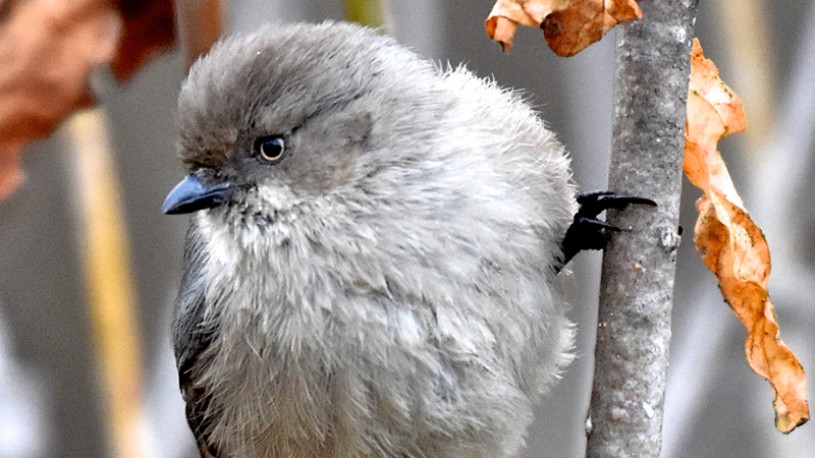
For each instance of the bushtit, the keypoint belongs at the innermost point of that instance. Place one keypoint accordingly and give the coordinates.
(371, 263)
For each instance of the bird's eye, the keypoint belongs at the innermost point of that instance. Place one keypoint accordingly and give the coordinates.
(271, 149)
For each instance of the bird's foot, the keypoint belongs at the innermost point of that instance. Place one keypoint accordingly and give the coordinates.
(587, 231)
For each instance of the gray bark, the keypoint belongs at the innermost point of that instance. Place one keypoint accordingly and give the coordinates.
(636, 291)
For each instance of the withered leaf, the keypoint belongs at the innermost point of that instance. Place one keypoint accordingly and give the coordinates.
(149, 30)
(569, 26)
(48, 50)
(731, 244)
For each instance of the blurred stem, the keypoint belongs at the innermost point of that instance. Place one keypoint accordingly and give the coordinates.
(371, 13)
(746, 32)
(108, 281)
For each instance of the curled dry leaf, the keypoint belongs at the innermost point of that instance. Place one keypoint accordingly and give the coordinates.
(149, 30)
(568, 26)
(732, 245)
(49, 48)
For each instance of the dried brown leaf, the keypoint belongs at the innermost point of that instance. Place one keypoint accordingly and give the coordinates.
(731, 244)
(199, 25)
(569, 26)
(149, 30)
(47, 49)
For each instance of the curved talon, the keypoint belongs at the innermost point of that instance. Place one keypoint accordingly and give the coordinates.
(594, 203)
(587, 232)
(592, 196)
(596, 224)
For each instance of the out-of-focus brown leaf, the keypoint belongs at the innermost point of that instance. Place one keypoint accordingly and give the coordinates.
(48, 49)
(199, 25)
(732, 245)
(149, 30)
(568, 26)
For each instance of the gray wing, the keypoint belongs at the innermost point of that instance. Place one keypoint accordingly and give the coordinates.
(192, 336)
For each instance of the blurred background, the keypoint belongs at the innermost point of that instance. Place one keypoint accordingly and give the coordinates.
(51, 385)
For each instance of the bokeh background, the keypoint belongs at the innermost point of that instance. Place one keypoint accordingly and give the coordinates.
(50, 401)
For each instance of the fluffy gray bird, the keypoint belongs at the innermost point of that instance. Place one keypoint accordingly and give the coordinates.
(371, 261)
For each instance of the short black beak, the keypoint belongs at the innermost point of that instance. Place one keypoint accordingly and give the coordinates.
(191, 195)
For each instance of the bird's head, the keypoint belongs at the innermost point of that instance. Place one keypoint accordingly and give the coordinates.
(290, 115)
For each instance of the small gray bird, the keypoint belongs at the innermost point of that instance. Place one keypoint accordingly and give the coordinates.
(371, 264)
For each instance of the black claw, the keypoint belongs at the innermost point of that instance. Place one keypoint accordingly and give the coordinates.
(595, 224)
(587, 232)
(593, 196)
(594, 203)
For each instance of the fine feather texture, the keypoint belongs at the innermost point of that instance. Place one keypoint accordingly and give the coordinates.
(388, 288)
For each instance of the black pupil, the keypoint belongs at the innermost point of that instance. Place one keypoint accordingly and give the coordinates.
(272, 148)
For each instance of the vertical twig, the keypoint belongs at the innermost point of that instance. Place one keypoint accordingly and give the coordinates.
(636, 291)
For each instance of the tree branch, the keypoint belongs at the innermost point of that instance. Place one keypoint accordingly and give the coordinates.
(636, 291)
